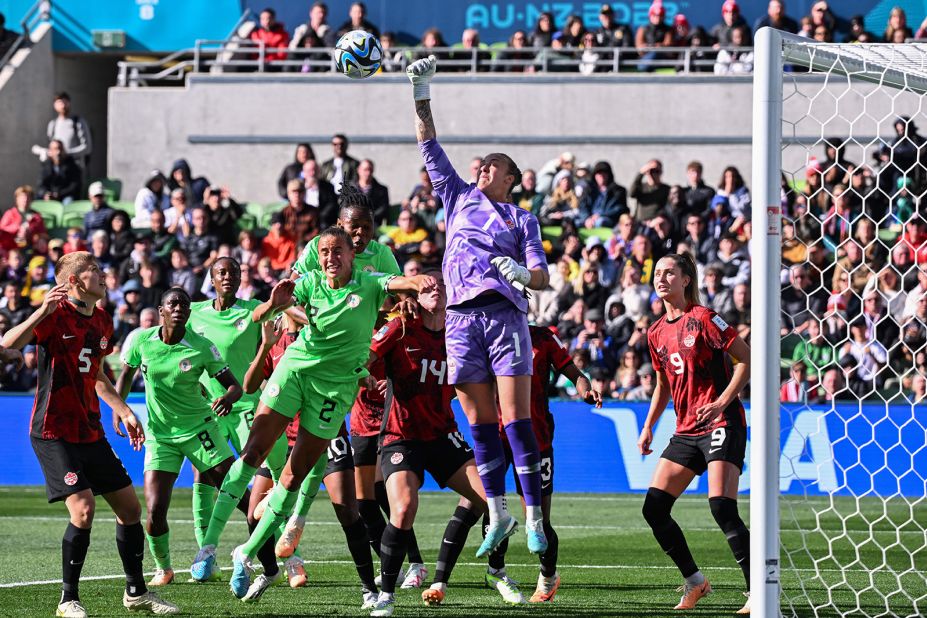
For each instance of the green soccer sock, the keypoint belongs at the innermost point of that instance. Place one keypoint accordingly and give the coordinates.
(310, 487)
(233, 488)
(160, 547)
(204, 499)
(276, 459)
(278, 508)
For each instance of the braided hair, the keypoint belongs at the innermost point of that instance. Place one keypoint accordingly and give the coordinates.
(354, 201)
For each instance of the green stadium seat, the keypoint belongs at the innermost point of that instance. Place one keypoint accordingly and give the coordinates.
(77, 207)
(72, 219)
(254, 209)
(247, 222)
(128, 207)
(50, 210)
(604, 233)
(112, 188)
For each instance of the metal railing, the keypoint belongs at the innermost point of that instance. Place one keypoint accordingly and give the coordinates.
(37, 13)
(236, 55)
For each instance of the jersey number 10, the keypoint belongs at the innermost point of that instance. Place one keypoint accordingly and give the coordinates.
(437, 370)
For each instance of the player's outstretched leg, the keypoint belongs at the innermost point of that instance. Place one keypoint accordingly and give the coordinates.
(527, 460)
(490, 461)
(496, 576)
(292, 529)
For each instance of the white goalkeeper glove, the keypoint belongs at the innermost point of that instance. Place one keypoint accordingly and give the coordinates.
(420, 73)
(514, 273)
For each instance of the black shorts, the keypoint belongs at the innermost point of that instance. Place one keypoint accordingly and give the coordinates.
(441, 458)
(694, 452)
(340, 456)
(365, 450)
(547, 470)
(69, 468)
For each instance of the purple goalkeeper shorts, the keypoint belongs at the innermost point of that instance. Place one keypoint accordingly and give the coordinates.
(483, 342)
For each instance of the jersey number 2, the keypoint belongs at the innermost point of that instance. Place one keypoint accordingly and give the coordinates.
(328, 406)
(83, 360)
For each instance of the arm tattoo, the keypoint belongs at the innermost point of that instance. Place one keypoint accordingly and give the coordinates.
(424, 123)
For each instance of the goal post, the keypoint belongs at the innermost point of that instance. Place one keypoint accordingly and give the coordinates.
(838, 504)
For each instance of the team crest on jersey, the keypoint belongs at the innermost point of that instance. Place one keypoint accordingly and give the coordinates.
(241, 324)
(395, 459)
(381, 333)
(353, 300)
(689, 341)
(104, 343)
(186, 365)
(70, 479)
(510, 223)
(719, 322)
(273, 390)
(368, 268)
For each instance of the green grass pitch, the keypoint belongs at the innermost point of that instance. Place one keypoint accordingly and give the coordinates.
(610, 563)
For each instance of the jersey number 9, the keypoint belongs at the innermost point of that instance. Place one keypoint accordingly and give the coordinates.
(678, 365)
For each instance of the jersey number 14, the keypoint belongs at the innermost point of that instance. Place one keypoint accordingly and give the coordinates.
(437, 370)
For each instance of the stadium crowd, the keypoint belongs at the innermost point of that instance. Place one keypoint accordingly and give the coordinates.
(854, 278)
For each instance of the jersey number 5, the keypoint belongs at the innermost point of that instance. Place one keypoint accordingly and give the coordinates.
(83, 360)
(678, 365)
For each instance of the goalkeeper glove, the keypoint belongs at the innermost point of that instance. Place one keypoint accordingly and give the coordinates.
(512, 270)
(420, 73)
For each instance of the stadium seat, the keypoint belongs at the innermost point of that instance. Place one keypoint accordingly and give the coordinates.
(247, 222)
(112, 188)
(80, 207)
(254, 209)
(127, 207)
(268, 211)
(50, 210)
(601, 232)
(72, 219)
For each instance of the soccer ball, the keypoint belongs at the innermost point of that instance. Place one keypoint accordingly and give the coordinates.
(358, 54)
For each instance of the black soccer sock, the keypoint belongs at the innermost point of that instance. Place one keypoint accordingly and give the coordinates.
(265, 553)
(657, 508)
(392, 553)
(359, 547)
(412, 550)
(373, 522)
(130, 542)
(73, 553)
(455, 537)
(497, 556)
(549, 557)
(738, 537)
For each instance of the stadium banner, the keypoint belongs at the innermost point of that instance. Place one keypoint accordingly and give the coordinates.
(877, 450)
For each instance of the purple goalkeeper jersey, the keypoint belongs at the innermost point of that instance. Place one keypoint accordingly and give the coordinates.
(479, 230)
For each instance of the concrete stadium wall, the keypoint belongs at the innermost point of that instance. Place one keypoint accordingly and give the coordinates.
(25, 83)
(240, 130)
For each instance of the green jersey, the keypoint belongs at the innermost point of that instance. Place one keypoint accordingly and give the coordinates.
(336, 342)
(173, 395)
(236, 336)
(376, 258)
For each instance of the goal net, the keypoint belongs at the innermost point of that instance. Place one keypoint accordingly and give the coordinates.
(839, 516)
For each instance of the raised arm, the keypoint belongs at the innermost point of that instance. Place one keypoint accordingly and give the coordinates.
(18, 336)
(270, 334)
(583, 386)
(410, 284)
(420, 73)
(281, 298)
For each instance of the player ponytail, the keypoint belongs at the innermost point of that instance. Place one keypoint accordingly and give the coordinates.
(686, 264)
(353, 203)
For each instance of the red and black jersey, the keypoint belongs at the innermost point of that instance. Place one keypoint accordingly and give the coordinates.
(270, 363)
(367, 412)
(691, 353)
(549, 355)
(416, 366)
(71, 347)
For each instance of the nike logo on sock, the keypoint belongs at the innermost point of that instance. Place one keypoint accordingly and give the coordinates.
(76, 563)
(140, 555)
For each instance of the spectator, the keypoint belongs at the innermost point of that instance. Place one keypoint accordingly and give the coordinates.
(655, 34)
(473, 54)
(320, 194)
(858, 32)
(377, 194)
(14, 306)
(21, 226)
(121, 237)
(821, 15)
(273, 35)
(649, 191)
(837, 168)
(571, 36)
(734, 61)
(341, 167)
(596, 256)
(701, 59)
(722, 32)
(318, 61)
(411, 268)
(182, 178)
(592, 338)
(776, 18)
(101, 214)
(409, 234)
(918, 389)
(642, 257)
(317, 25)
(697, 194)
(393, 59)
(99, 248)
(713, 292)
(128, 312)
(891, 290)
(278, 245)
(141, 254)
(822, 34)
(644, 391)
(610, 32)
(517, 60)
(250, 287)
(7, 37)
(733, 260)
(733, 187)
(21, 378)
(178, 218)
(814, 351)
(162, 241)
(151, 197)
(71, 130)
(870, 355)
(247, 252)
(223, 213)
(837, 221)
(659, 231)
(149, 276)
(200, 245)
(300, 220)
(60, 176)
(75, 241)
(897, 22)
(795, 389)
(879, 325)
(566, 161)
(294, 170)
(563, 203)
(619, 245)
(635, 296)
(607, 202)
(527, 197)
(181, 275)
(37, 282)
(357, 20)
(543, 34)
(916, 293)
(800, 300)
(432, 43)
(681, 31)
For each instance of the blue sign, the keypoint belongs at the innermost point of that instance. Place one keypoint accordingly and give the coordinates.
(850, 449)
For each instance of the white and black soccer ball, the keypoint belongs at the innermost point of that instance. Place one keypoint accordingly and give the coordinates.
(358, 54)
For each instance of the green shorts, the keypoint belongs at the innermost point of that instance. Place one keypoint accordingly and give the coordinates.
(322, 404)
(205, 450)
(237, 427)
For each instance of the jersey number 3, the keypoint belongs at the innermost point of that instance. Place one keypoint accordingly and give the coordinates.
(678, 365)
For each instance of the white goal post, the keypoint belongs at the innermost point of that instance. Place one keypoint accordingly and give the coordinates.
(852, 542)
